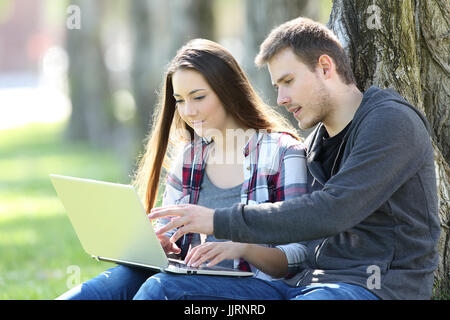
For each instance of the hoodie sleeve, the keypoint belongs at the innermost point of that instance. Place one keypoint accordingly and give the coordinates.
(388, 146)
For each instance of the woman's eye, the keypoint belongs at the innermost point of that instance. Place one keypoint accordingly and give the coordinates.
(288, 81)
(178, 101)
(199, 98)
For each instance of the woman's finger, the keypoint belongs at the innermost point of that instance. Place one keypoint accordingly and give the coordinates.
(206, 256)
(219, 258)
(196, 253)
(191, 253)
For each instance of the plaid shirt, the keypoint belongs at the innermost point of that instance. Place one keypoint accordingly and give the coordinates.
(274, 170)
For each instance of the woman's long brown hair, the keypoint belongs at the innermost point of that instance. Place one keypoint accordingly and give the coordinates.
(233, 89)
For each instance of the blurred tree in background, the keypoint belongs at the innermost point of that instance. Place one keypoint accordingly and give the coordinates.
(151, 33)
(92, 116)
(261, 17)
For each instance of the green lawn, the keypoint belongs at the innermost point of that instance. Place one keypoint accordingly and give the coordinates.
(37, 243)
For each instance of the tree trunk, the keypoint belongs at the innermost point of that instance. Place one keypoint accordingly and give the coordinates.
(141, 70)
(404, 45)
(92, 116)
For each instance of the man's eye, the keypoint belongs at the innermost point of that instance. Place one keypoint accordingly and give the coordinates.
(288, 81)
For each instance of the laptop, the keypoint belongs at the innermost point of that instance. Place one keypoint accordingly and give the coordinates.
(112, 225)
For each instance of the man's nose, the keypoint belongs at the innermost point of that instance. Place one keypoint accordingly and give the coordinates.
(283, 99)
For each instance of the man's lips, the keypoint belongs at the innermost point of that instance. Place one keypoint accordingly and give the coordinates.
(295, 111)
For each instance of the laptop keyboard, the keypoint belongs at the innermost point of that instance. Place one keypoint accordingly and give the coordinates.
(182, 265)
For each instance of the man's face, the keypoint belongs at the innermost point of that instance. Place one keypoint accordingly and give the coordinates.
(300, 91)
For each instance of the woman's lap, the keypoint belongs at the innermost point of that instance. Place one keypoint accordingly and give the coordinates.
(125, 283)
(117, 283)
(185, 287)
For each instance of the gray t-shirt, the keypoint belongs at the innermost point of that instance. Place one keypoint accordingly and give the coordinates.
(214, 197)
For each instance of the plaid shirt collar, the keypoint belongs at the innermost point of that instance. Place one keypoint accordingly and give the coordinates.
(194, 165)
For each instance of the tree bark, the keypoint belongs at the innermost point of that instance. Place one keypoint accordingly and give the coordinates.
(404, 45)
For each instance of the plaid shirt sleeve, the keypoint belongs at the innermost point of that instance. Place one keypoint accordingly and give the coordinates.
(173, 192)
(292, 181)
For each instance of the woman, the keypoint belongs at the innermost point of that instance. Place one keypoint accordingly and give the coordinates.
(235, 149)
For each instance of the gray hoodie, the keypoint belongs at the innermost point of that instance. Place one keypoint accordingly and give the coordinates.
(375, 222)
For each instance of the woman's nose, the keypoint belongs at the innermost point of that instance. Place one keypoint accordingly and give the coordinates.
(189, 109)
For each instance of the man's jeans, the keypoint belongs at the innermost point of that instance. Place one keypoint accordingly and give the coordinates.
(128, 283)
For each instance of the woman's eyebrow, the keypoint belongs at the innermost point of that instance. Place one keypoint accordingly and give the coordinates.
(192, 92)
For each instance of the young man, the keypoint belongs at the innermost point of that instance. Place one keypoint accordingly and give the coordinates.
(371, 217)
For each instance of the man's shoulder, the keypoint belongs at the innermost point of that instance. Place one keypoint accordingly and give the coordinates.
(387, 105)
(391, 115)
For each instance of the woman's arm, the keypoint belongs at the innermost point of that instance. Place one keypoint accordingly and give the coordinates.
(272, 261)
(172, 195)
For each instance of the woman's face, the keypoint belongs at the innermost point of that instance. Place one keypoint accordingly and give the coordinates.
(198, 105)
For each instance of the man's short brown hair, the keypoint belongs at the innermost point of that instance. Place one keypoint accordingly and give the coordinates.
(309, 40)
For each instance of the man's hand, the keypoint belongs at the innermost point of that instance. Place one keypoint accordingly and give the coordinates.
(187, 217)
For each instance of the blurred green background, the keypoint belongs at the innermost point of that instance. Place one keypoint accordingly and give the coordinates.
(78, 83)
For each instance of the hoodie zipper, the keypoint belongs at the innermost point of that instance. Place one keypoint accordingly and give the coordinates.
(324, 240)
(337, 156)
(318, 251)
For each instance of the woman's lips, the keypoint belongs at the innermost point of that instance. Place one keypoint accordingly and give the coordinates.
(197, 123)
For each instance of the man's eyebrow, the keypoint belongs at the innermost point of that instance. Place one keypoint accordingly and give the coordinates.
(192, 92)
(281, 78)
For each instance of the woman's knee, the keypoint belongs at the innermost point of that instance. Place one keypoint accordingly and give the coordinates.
(157, 287)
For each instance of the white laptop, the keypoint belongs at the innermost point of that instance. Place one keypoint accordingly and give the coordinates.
(112, 225)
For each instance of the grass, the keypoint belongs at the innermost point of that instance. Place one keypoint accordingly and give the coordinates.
(37, 242)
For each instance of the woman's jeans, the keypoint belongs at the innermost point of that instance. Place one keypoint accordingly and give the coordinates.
(122, 282)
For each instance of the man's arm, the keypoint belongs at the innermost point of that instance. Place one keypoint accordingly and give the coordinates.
(389, 148)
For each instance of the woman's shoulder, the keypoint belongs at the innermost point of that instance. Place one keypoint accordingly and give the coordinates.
(186, 153)
(284, 140)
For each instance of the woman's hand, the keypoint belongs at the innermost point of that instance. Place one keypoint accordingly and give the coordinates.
(215, 252)
(169, 247)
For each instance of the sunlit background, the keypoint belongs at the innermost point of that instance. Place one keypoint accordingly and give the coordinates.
(77, 101)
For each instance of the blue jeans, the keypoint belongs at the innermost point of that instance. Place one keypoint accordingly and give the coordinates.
(125, 283)
(164, 286)
(117, 283)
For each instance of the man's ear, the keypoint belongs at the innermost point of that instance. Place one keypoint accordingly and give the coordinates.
(326, 66)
